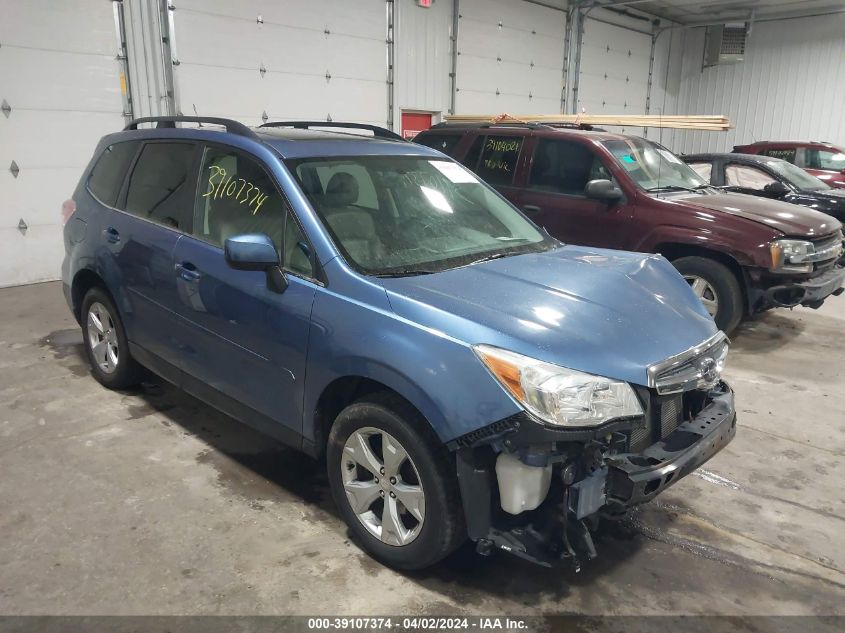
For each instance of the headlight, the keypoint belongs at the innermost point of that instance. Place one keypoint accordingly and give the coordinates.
(557, 395)
(791, 256)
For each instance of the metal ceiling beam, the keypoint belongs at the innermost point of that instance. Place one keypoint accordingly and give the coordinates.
(790, 15)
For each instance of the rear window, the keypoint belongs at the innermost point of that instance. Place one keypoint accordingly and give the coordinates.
(498, 159)
(441, 142)
(159, 185)
(787, 154)
(107, 176)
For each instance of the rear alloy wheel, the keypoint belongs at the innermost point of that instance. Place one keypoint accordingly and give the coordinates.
(394, 482)
(717, 287)
(102, 338)
(106, 345)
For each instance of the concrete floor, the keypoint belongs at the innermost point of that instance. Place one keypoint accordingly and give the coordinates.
(150, 502)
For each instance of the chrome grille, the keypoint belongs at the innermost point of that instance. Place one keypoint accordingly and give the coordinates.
(699, 367)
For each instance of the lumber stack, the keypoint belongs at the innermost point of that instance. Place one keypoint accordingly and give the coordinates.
(716, 122)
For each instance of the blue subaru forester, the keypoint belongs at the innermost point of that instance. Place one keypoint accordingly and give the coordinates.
(370, 301)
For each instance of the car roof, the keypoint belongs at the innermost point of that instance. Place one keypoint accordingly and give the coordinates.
(796, 143)
(735, 157)
(290, 140)
(535, 128)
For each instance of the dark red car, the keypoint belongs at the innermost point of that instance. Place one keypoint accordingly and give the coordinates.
(741, 254)
(823, 160)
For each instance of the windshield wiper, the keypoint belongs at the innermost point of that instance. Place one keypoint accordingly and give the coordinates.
(408, 272)
(491, 257)
(671, 188)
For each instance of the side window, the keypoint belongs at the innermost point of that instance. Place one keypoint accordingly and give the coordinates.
(109, 171)
(442, 142)
(564, 167)
(297, 250)
(158, 186)
(834, 161)
(470, 161)
(746, 177)
(702, 169)
(786, 154)
(498, 159)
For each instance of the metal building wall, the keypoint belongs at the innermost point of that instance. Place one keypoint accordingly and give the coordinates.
(790, 86)
(423, 57)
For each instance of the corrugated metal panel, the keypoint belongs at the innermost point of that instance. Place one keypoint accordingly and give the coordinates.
(59, 76)
(790, 86)
(423, 57)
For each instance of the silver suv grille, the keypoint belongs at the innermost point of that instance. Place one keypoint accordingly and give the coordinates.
(699, 367)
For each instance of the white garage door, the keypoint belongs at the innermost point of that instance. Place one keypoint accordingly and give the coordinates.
(614, 69)
(60, 81)
(510, 58)
(298, 59)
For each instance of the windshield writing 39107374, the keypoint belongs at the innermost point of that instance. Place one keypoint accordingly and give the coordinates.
(238, 189)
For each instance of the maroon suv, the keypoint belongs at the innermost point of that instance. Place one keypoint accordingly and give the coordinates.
(823, 160)
(741, 254)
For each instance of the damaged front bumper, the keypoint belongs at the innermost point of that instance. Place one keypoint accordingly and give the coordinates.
(593, 473)
(810, 292)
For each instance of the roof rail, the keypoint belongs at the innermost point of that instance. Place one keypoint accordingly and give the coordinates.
(234, 127)
(378, 131)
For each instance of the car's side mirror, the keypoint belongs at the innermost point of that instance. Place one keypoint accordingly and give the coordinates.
(776, 189)
(603, 190)
(256, 251)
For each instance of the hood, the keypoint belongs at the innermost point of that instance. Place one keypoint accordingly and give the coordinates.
(836, 196)
(790, 219)
(604, 312)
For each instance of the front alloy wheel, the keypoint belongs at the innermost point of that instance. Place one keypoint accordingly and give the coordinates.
(383, 486)
(705, 292)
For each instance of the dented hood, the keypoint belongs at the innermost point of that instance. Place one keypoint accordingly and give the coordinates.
(600, 311)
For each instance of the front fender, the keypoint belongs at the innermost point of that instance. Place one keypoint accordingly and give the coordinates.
(439, 375)
(723, 240)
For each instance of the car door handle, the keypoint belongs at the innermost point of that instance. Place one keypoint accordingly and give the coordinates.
(112, 235)
(531, 209)
(188, 271)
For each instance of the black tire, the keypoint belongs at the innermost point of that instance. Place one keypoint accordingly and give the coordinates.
(127, 372)
(723, 281)
(443, 528)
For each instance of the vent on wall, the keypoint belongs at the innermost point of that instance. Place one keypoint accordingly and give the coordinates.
(725, 43)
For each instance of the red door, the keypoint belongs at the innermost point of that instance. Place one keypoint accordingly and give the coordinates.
(415, 122)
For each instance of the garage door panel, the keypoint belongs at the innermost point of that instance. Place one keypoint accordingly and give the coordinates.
(83, 24)
(36, 256)
(79, 133)
(516, 16)
(33, 78)
(59, 74)
(510, 57)
(37, 194)
(614, 69)
(308, 73)
(307, 53)
(362, 18)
